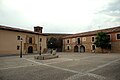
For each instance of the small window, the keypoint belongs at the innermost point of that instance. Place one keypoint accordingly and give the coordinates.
(108, 37)
(18, 47)
(40, 39)
(18, 37)
(30, 40)
(67, 41)
(78, 40)
(93, 39)
(118, 36)
(68, 48)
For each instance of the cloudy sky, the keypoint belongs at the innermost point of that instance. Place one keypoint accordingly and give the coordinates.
(60, 16)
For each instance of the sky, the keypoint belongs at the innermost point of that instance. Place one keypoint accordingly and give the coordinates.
(60, 16)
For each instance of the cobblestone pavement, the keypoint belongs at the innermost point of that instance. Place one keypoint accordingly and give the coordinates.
(69, 66)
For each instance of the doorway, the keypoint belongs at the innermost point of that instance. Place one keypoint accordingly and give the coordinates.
(82, 49)
(76, 49)
(30, 49)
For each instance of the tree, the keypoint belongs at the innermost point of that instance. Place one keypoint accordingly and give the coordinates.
(59, 44)
(52, 43)
(102, 40)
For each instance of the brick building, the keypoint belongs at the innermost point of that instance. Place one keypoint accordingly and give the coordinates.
(83, 42)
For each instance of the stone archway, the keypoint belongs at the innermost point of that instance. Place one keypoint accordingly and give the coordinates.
(30, 49)
(82, 48)
(93, 48)
(75, 48)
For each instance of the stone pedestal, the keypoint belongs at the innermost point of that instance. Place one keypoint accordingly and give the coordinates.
(45, 56)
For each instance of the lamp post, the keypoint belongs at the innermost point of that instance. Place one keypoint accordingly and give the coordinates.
(40, 49)
(51, 47)
(21, 48)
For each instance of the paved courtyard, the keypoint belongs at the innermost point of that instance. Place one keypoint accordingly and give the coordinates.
(69, 66)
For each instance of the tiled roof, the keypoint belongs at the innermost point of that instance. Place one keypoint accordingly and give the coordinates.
(64, 34)
(90, 33)
(19, 30)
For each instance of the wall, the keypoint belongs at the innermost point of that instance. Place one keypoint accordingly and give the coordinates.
(115, 43)
(9, 42)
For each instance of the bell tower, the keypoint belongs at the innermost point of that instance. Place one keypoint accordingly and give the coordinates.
(38, 29)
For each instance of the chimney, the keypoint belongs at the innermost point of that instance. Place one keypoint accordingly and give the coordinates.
(38, 29)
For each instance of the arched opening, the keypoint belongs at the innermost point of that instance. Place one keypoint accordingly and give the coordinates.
(30, 49)
(82, 49)
(93, 48)
(76, 49)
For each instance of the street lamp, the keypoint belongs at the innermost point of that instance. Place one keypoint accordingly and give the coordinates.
(51, 47)
(21, 48)
(40, 49)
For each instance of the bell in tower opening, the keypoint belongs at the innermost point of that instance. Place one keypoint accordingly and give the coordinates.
(38, 29)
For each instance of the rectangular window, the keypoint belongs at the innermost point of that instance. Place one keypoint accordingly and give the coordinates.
(118, 36)
(30, 40)
(67, 41)
(18, 47)
(78, 40)
(18, 37)
(93, 39)
(108, 37)
(40, 39)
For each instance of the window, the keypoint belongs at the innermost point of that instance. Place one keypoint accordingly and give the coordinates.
(108, 37)
(93, 47)
(118, 36)
(93, 39)
(67, 41)
(18, 47)
(30, 40)
(78, 40)
(68, 48)
(18, 37)
(40, 39)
